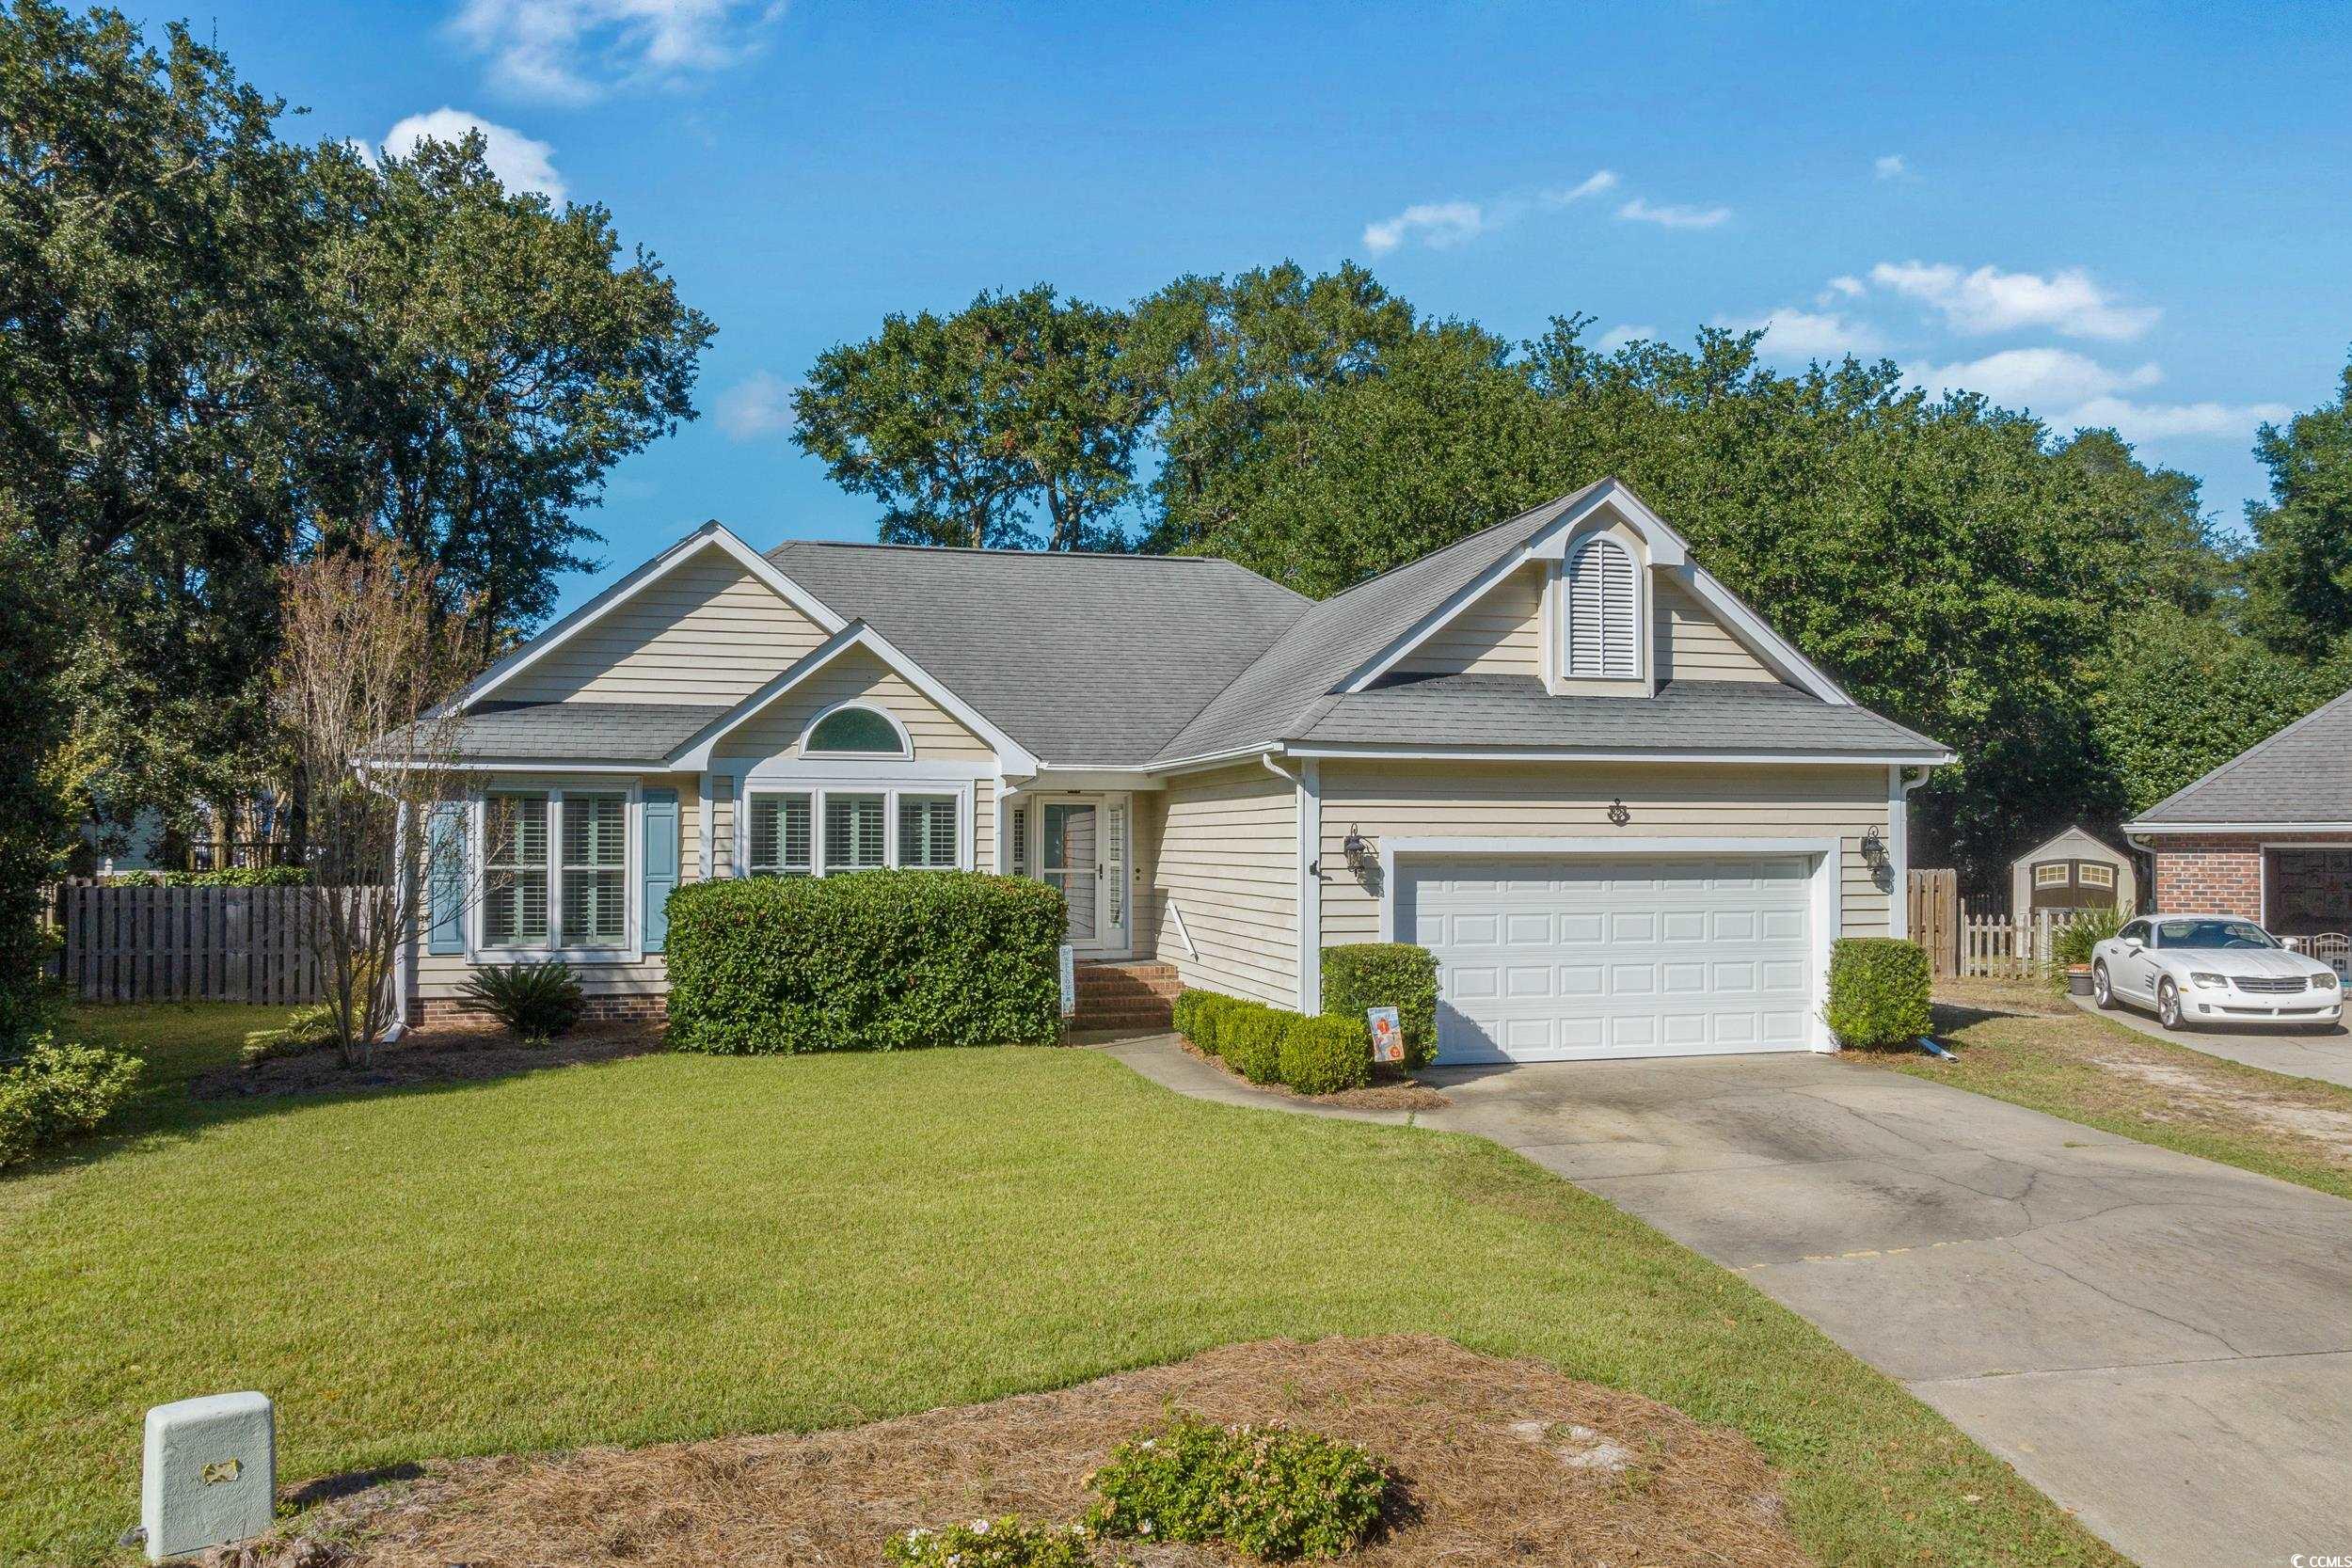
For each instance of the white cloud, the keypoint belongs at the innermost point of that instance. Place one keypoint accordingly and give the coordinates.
(1594, 183)
(572, 50)
(755, 407)
(1792, 333)
(520, 163)
(1618, 336)
(1891, 166)
(2071, 391)
(1990, 300)
(1848, 288)
(1667, 215)
(1438, 225)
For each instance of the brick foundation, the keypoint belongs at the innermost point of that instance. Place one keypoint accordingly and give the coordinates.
(598, 1009)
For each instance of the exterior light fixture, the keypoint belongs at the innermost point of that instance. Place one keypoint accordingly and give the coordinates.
(1618, 815)
(1358, 851)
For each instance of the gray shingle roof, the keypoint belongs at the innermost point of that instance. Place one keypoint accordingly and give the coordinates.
(621, 731)
(1085, 659)
(1514, 710)
(1333, 639)
(2301, 774)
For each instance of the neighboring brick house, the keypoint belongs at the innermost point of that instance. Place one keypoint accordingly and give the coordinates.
(2267, 835)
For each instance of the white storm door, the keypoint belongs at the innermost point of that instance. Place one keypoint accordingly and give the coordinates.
(1558, 958)
(1082, 849)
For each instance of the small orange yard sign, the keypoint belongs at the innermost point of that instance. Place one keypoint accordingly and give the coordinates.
(1388, 1036)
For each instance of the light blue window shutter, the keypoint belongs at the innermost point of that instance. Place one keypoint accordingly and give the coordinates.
(445, 866)
(660, 822)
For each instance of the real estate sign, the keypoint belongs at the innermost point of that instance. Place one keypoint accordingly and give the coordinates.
(1388, 1034)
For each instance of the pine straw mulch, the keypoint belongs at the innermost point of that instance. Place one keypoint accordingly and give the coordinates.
(1406, 1095)
(1499, 1463)
(463, 1051)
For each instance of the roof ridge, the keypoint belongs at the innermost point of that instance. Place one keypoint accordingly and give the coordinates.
(1011, 552)
(2247, 756)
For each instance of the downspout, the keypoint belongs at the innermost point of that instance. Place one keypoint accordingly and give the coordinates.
(1900, 784)
(1309, 787)
(404, 950)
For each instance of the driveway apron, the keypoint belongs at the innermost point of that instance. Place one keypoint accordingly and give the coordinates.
(2162, 1344)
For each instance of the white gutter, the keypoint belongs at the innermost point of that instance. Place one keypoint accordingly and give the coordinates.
(2134, 828)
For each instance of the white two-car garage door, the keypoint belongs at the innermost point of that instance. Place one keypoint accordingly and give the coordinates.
(1552, 958)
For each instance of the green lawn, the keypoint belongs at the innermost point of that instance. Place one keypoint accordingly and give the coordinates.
(677, 1246)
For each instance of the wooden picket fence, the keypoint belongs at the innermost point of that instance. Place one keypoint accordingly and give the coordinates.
(188, 944)
(2006, 947)
(1934, 910)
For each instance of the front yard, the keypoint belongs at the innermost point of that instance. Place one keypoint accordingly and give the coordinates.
(676, 1246)
(2018, 1042)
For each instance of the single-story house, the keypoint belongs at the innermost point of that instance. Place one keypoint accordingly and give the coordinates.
(2073, 870)
(2268, 834)
(1626, 815)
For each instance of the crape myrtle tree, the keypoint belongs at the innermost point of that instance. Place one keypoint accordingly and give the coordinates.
(357, 692)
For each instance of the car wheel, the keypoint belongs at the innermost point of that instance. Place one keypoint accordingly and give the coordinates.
(2168, 1004)
(2102, 988)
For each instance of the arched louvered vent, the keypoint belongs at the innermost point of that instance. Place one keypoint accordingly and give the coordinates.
(1604, 612)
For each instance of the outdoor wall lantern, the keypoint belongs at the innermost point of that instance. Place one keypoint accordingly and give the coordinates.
(1873, 848)
(1357, 849)
(1618, 815)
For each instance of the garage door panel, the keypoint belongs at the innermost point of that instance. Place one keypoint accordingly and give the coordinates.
(1546, 959)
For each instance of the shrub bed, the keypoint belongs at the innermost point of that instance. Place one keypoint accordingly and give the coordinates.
(1006, 1541)
(1272, 1045)
(1363, 976)
(1268, 1491)
(56, 1092)
(1252, 1035)
(1878, 991)
(880, 960)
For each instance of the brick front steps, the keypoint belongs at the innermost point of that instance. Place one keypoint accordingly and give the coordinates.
(1133, 994)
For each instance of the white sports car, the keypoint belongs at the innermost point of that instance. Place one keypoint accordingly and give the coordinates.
(2197, 969)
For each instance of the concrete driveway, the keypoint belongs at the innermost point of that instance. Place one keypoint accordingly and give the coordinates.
(2327, 1055)
(2162, 1344)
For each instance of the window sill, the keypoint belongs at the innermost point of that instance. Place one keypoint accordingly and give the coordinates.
(560, 955)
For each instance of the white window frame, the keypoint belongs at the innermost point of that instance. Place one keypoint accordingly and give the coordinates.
(2052, 874)
(2091, 873)
(771, 791)
(906, 742)
(890, 783)
(632, 947)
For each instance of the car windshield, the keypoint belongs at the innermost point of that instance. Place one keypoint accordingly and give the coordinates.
(2211, 933)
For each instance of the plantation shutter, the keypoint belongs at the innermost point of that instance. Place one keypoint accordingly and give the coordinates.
(657, 820)
(445, 878)
(1603, 613)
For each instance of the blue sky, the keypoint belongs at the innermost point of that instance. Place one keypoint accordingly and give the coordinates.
(2125, 215)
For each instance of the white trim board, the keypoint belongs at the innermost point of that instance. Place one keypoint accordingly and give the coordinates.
(1378, 752)
(1826, 879)
(710, 535)
(2161, 830)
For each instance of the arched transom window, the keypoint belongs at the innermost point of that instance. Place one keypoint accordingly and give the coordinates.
(866, 731)
(1604, 612)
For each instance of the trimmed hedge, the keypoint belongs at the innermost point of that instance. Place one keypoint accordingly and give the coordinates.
(233, 876)
(1252, 1033)
(1878, 991)
(1324, 1056)
(1362, 975)
(878, 960)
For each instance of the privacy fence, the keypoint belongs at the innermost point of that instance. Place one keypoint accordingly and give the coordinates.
(187, 944)
(1978, 941)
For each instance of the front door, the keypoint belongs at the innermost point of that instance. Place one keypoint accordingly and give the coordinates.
(1082, 849)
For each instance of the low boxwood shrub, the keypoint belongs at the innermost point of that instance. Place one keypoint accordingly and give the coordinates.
(1367, 975)
(56, 1092)
(535, 1001)
(1324, 1056)
(1252, 1033)
(878, 960)
(1008, 1542)
(1269, 1491)
(1878, 991)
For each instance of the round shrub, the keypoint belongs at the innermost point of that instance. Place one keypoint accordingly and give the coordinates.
(56, 1091)
(1324, 1056)
(1268, 1491)
(1878, 991)
(881, 961)
(1362, 975)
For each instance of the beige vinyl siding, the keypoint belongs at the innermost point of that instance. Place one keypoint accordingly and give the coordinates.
(856, 676)
(984, 825)
(1689, 644)
(1389, 801)
(706, 631)
(1224, 849)
(1502, 634)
